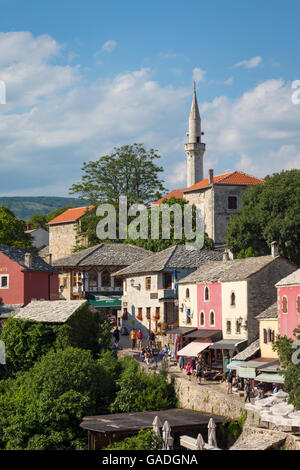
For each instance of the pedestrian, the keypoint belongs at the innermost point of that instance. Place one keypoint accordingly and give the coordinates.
(199, 371)
(248, 391)
(181, 363)
(188, 370)
(229, 382)
(133, 338)
(116, 334)
(139, 339)
(151, 339)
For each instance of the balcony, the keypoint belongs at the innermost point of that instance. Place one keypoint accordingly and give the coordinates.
(167, 294)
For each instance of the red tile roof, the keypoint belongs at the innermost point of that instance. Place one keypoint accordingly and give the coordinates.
(71, 215)
(233, 177)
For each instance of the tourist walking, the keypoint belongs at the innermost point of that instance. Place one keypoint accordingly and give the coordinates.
(229, 382)
(248, 391)
(189, 370)
(199, 370)
(133, 338)
(116, 335)
(151, 339)
(139, 339)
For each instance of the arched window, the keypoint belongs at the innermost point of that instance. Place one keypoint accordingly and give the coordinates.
(105, 278)
(284, 304)
(206, 293)
(232, 299)
(298, 304)
(202, 319)
(93, 279)
(187, 294)
(212, 318)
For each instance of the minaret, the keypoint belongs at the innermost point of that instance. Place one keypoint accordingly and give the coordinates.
(194, 149)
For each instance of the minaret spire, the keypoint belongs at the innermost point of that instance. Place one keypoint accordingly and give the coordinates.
(194, 149)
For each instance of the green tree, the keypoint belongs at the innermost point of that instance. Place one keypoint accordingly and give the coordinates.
(138, 391)
(42, 408)
(12, 230)
(146, 439)
(290, 369)
(26, 341)
(90, 221)
(37, 221)
(270, 211)
(129, 170)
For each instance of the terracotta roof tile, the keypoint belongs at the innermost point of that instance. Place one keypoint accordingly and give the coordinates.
(71, 215)
(233, 177)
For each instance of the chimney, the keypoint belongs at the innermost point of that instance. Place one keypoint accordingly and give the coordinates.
(49, 258)
(225, 256)
(211, 176)
(28, 260)
(274, 249)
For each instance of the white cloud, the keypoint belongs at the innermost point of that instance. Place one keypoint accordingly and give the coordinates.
(54, 120)
(250, 63)
(109, 45)
(199, 74)
(229, 81)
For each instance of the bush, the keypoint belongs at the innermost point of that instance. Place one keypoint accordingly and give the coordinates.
(138, 391)
(144, 440)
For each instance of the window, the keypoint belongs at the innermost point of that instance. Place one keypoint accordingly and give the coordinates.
(167, 280)
(93, 279)
(206, 293)
(4, 282)
(148, 283)
(202, 319)
(232, 202)
(187, 294)
(118, 282)
(188, 316)
(232, 299)
(148, 312)
(212, 318)
(298, 304)
(105, 278)
(238, 327)
(265, 336)
(228, 327)
(284, 305)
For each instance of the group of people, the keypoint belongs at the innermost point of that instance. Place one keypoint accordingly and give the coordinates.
(244, 385)
(152, 355)
(136, 338)
(193, 365)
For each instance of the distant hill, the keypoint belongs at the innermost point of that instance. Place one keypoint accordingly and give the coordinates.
(25, 207)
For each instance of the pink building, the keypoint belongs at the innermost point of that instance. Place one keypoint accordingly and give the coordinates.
(288, 294)
(209, 303)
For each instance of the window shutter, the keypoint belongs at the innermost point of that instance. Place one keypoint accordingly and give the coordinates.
(265, 336)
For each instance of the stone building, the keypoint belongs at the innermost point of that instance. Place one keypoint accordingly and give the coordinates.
(221, 195)
(65, 230)
(268, 330)
(24, 276)
(88, 273)
(288, 290)
(150, 286)
(247, 289)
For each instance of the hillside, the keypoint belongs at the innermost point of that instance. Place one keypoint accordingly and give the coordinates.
(25, 207)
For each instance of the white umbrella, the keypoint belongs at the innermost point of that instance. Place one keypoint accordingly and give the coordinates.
(200, 442)
(156, 425)
(212, 439)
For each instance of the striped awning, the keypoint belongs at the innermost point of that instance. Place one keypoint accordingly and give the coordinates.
(193, 349)
(270, 378)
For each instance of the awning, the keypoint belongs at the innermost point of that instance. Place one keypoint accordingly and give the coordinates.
(204, 334)
(227, 344)
(105, 301)
(248, 369)
(270, 378)
(193, 349)
(181, 330)
(233, 365)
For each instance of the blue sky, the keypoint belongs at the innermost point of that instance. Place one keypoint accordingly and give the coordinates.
(83, 77)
